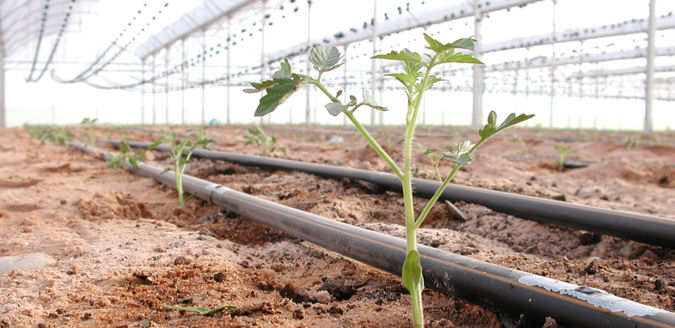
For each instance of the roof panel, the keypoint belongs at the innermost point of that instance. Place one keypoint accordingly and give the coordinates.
(206, 13)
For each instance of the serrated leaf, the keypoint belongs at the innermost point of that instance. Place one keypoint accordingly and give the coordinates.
(491, 128)
(335, 108)
(405, 55)
(434, 44)
(412, 272)
(406, 80)
(457, 57)
(325, 58)
(276, 95)
(461, 154)
(412, 69)
(257, 87)
(465, 43)
(369, 100)
(432, 80)
(284, 72)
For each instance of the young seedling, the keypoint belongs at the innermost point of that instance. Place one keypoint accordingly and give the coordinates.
(260, 138)
(519, 140)
(181, 154)
(563, 151)
(416, 78)
(91, 125)
(57, 135)
(127, 155)
(203, 311)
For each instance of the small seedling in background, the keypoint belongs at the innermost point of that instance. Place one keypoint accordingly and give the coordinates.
(57, 135)
(416, 79)
(181, 154)
(633, 142)
(563, 151)
(434, 157)
(519, 140)
(91, 125)
(269, 143)
(203, 311)
(127, 155)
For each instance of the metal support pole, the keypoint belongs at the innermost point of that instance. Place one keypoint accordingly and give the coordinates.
(183, 65)
(550, 117)
(478, 70)
(651, 50)
(262, 52)
(344, 81)
(143, 92)
(229, 56)
(203, 77)
(166, 85)
(3, 113)
(309, 46)
(154, 109)
(373, 63)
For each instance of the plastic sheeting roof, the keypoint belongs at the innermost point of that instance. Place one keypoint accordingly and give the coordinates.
(401, 23)
(206, 13)
(21, 21)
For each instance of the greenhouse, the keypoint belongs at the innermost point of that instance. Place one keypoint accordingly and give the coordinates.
(315, 163)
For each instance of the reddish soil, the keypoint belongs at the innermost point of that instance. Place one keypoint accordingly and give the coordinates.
(118, 248)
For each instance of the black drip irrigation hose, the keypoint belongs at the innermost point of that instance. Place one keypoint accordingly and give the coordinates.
(509, 291)
(633, 226)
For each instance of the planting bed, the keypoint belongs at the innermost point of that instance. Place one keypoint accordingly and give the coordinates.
(116, 247)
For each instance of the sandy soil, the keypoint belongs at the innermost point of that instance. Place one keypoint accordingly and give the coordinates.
(115, 248)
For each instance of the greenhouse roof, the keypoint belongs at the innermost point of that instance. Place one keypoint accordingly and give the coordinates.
(23, 22)
(401, 23)
(200, 17)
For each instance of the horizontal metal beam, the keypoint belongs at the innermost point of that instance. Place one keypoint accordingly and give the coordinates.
(399, 24)
(586, 33)
(543, 62)
(620, 71)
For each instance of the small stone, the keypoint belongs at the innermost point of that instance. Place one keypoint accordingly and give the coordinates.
(219, 277)
(278, 267)
(322, 296)
(181, 260)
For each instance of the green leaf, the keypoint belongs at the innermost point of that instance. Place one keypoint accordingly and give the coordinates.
(461, 155)
(457, 57)
(335, 108)
(369, 100)
(435, 45)
(432, 80)
(284, 72)
(412, 272)
(325, 58)
(491, 128)
(276, 95)
(465, 43)
(407, 81)
(405, 55)
(203, 311)
(412, 69)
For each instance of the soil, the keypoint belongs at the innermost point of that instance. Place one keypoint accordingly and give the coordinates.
(114, 248)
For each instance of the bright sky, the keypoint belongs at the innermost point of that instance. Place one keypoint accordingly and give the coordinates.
(103, 20)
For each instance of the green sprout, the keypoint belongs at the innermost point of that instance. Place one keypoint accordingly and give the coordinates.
(57, 135)
(563, 151)
(127, 155)
(181, 154)
(416, 78)
(260, 138)
(203, 311)
(519, 140)
(91, 125)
